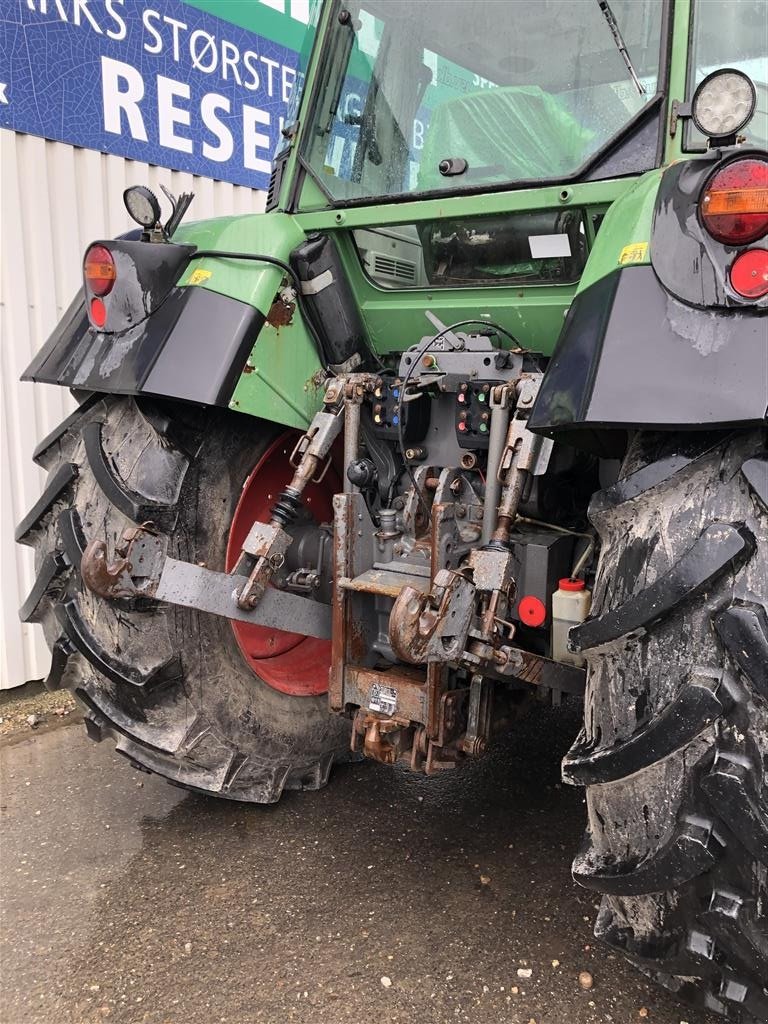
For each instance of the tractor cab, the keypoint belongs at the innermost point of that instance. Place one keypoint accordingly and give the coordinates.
(416, 99)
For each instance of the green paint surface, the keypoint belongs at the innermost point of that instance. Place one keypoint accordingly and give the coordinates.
(627, 225)
(273, 234)
(257, 18)
(278, 381)
(281, 381)
(411, 211)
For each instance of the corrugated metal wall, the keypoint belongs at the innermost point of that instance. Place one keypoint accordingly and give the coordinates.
(54, 200)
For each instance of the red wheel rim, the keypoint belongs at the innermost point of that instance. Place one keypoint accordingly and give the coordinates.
(289, 662)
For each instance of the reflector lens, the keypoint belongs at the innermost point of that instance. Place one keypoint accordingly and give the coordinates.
(749, 274)
(532, 611)
(98, 313)
(100, 271)
(734, 206)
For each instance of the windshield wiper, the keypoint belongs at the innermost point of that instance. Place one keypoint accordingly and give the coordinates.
(617, 38)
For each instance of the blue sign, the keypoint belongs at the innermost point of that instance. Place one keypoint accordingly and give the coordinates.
(162, 82)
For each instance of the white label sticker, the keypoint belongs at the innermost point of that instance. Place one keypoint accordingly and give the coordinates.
(382, 699)
(545, 246)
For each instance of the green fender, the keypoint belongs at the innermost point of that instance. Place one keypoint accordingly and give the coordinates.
(282, 379)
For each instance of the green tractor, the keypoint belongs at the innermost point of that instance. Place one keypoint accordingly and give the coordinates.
(474, 417)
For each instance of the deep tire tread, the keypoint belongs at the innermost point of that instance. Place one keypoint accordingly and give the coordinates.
(58, 481)
(132, 504)
(44, 449)
(743, 628)
(54, 564)
(701, 701)
(61, 652)
(690, 909)
(72, 537)
(719, 547)
(134, 690)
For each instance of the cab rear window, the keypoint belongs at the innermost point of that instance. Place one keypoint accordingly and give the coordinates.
(731, 35)
(539, 247)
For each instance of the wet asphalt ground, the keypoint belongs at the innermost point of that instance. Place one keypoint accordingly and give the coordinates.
(387, 897)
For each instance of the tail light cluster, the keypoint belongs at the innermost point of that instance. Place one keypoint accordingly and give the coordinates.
(100, 276)
(734, 211)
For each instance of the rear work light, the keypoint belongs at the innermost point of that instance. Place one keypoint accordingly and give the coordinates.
(734, 206)
(100, 270)
(749, 273)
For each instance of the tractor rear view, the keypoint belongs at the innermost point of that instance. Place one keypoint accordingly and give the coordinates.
(473, 418)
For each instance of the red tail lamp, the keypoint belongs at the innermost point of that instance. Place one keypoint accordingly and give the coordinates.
(734, 206)
(98, 313)
(100, 271)
(749, 273)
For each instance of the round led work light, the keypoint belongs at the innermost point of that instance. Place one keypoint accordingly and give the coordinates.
(723, 103)
(142, 205)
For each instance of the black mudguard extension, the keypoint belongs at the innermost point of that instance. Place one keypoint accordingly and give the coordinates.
(631, 355)
(192, 348)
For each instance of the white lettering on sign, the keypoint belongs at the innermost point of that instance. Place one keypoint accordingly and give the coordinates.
(169, 115)
(122, 28)
(205, 56)
(288, 76)
(211, 104)
(176, 27)
(253, 140)
(147, 19)
(230, 58)
(298, 9)
(254, 81)
(209, 54)
(81, 10)
(173, 80)
(42, 8)
(271, 65)
(122, 90)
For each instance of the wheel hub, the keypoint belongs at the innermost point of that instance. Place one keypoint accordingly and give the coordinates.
(288, 662)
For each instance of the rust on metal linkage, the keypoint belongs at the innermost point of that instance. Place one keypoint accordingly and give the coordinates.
(112, 580)
(105, 579)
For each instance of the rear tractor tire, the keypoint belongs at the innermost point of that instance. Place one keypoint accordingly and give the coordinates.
(234, 713)
(674, 748)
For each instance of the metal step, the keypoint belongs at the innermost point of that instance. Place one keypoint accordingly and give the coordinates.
(388, 582)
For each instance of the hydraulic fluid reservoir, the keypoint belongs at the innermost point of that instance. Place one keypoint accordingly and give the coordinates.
(570, 606)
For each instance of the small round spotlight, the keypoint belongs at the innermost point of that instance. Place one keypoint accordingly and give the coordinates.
(142, 205)
(723, 103)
